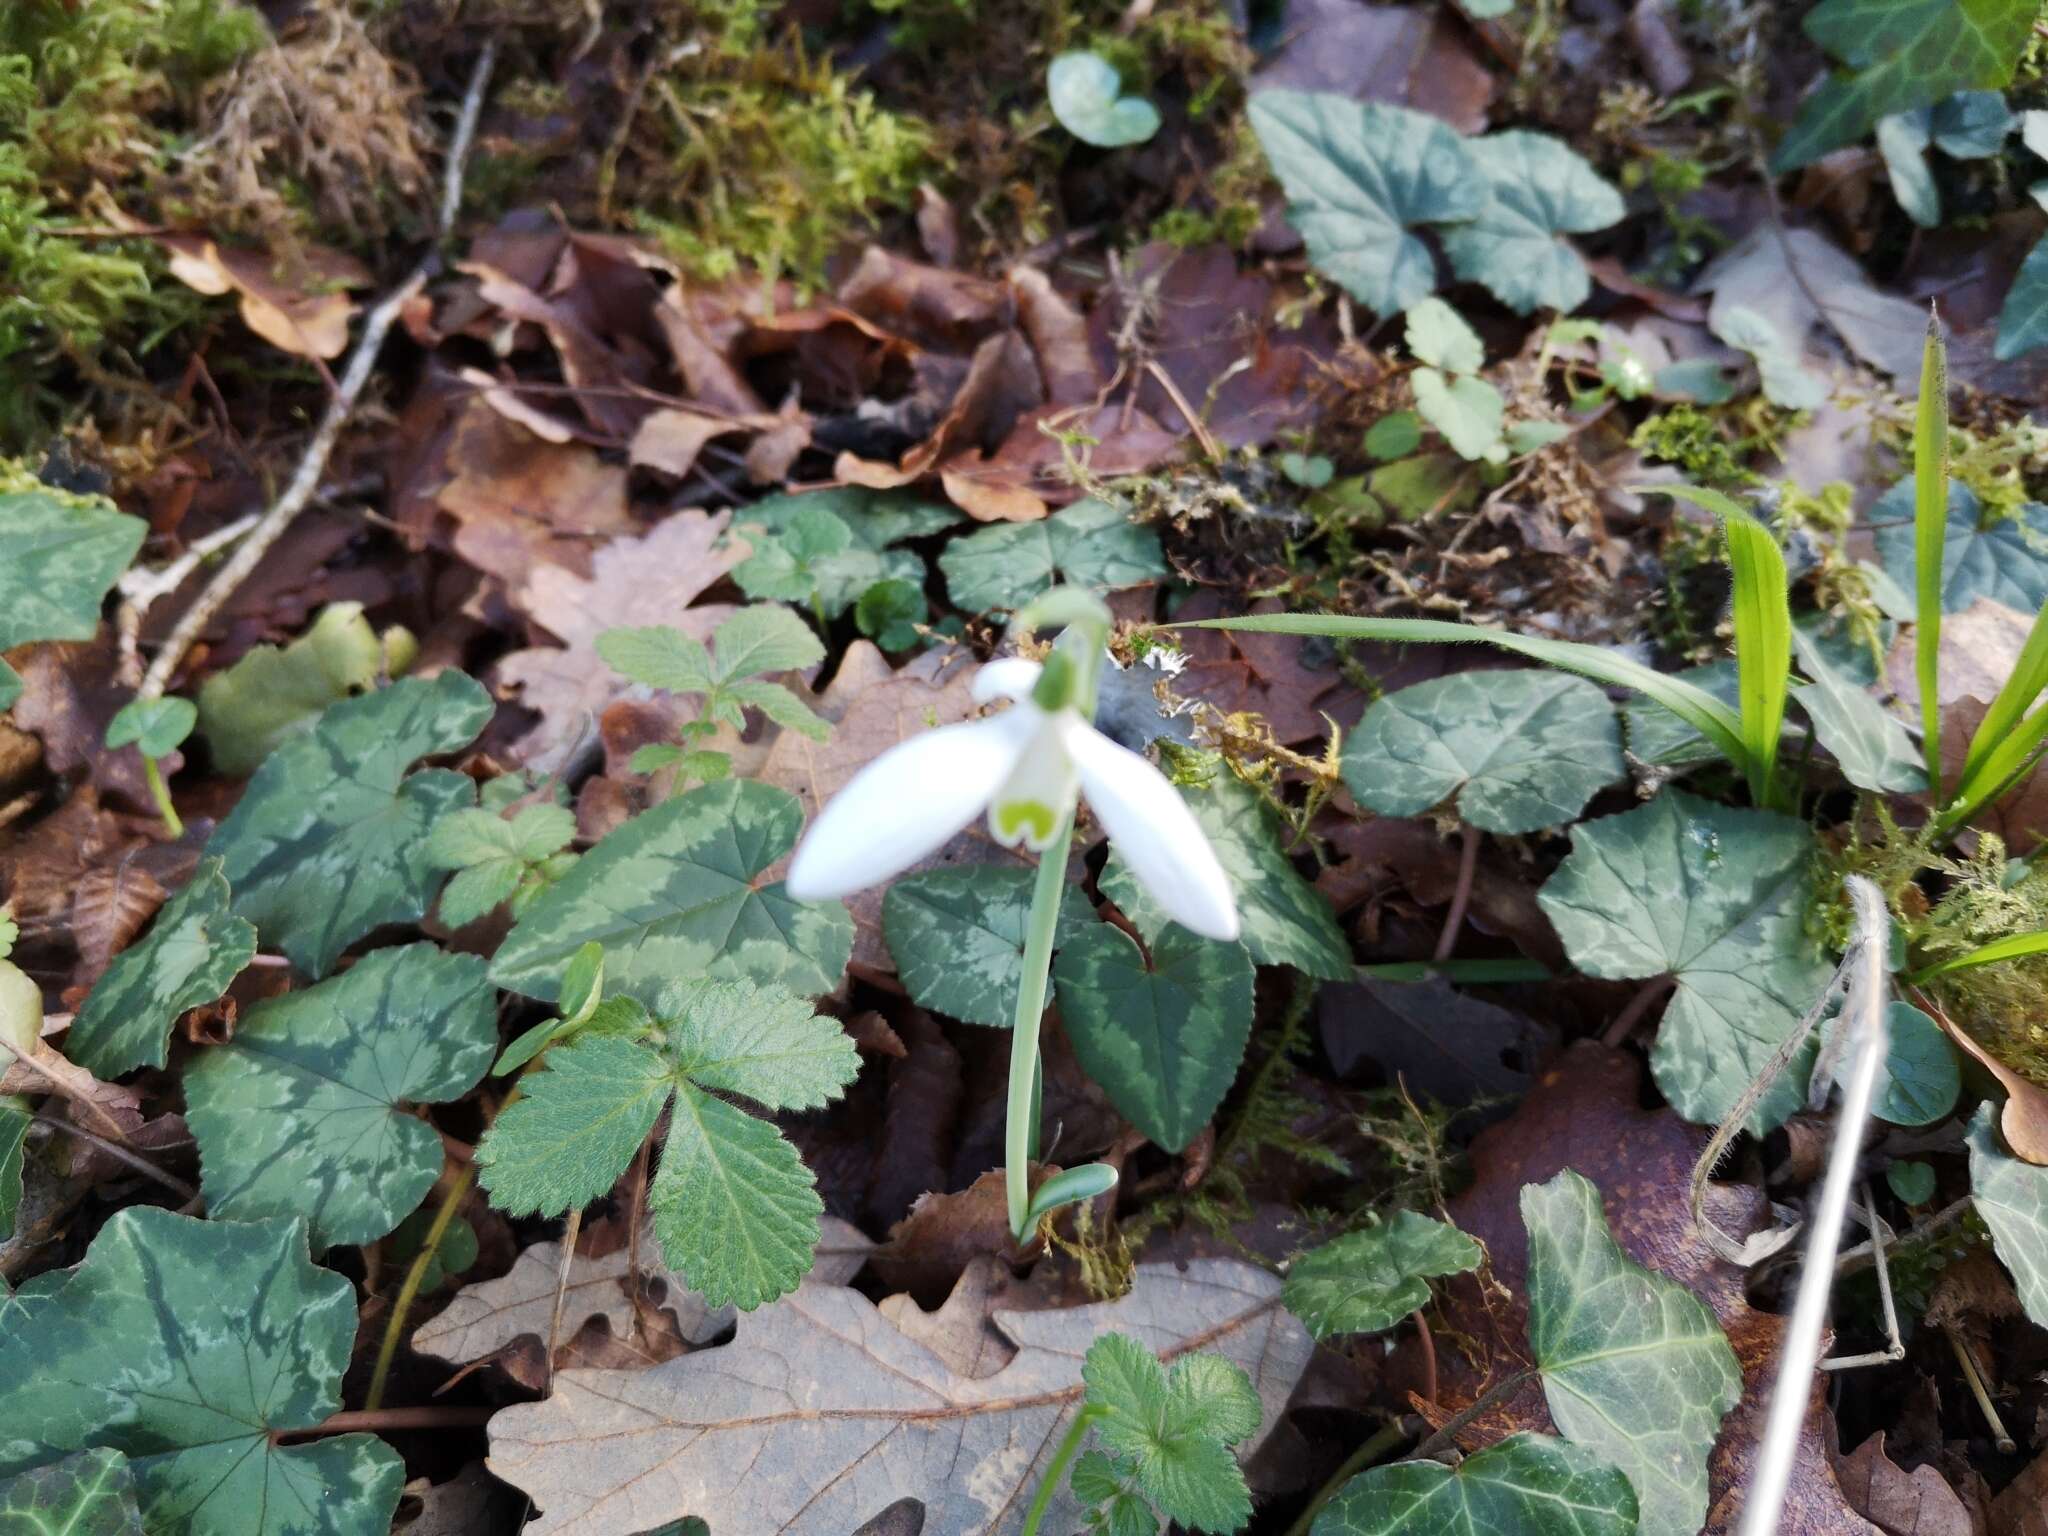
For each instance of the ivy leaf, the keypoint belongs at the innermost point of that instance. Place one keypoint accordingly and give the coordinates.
(195, 947)
(1087, 100)
(1174, 1430)
(248, 711)
(154, 726)
(62, 554)
(1359, 177)
(573, 1130)
(1635, 1369)
(1286, 920)
(1519, 750)
(675, 892)
(1529, 1484)
(15, 1119)
(1920, 1078)
(90, 1494)
(1366, 1281)
(1869, 743)
(1467, 411)
(1091, 544)
(957, 937)
(330, 838)
(2022, 320)
(2012, 1198)
(301, 1113)
(187, 1344)
(1162, 1036)
(2003, 560)
(1715, 897)
(1541, 191)
(1900, 54)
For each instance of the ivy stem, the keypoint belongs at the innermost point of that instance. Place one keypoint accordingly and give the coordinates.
(394, 1327)
(1049, 1484)
(1020, 1124)
(162, 794)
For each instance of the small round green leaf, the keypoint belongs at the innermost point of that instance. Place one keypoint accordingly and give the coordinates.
(1366, 1281)
(1912, 1182)
(1086, 97)
(154, 726)
(1920, 1079)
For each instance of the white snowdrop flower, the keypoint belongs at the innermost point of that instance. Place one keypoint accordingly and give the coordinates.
(1025, 767)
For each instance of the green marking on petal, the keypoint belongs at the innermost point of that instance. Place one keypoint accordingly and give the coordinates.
(1030, 819)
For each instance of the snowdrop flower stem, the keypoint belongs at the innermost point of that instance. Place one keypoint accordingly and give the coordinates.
(1021, 1127)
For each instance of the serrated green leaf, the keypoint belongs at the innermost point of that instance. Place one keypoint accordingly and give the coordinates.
(331, 837)
(471, 836)
(781, 706)
(1541, 191)
(764, 638)
(1528, 1485)
(15, 1119)
(673, 892)
(1173, 1430)
(1366, 1281)
(875, 519)
(1091, 544)
(186, 1344)
(957, 937)
(795, 563)
(2023, 319)
(539, 830)
(1716, 897)
(270, 695)
(1920, 1079)
(1359, 177)
(761, 1043)
(734, 1207)
(1518, 750)
(2006, 560)
(1439, 336)
(302, 1112)
(2012, 1198)
(1635, 1369)
(1869, 743)
(1121, 1511)
(90, 1494)
(1163, 1038)
(194, 948)
(479, 889)
(1286, 920)
(1466, 411)
(568, 1137)
(659, 656)
(153, 726)
(1087, 100)
(59, 554)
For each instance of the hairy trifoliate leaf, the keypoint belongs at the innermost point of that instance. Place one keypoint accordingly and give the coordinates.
(575, 1126)
(1365, 1281)
(1467, 411)
(1173, 1430)
(495, 858)
(957, 936)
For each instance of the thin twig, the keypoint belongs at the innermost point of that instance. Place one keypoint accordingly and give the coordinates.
(121, 1154)
(1626, 1021)
(1461, 894)
(1864, 1254)
(2000, 1435)
(378, 1419)
(571, 1230)
(1500, 1392)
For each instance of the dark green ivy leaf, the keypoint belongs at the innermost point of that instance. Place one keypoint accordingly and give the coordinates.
(1365, 1281)
(1528, 1485)
(90, 1494)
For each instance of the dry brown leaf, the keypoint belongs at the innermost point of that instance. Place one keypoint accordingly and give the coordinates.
(1416, 57)
(591, 368)
(107, 910)
(670, 440)
(304, 312)
(506, 400)
(986, 500)
(933, 306)
(2024, 1120)
(2022, 1508)
(1059, 334)
(820, 1414)
(522, 503)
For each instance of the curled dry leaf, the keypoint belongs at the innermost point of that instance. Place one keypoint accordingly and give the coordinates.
(1898, 1502)
(522, 503)
(2024, 1120)
(304, 310)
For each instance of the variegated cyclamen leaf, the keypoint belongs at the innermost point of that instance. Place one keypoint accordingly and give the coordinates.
(676, 892)
(1365, 1281)
(1528, 1485)
(1093, 544)
(187, 1345)
(1542, 191)
(15, 1119)
(301, 1113)
(90, 1494)
(1162, 1034)
(59, 554)
(331, 837)
(194, 948)
(957, 936)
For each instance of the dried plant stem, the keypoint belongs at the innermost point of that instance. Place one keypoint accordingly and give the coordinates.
(1461, 894)
(375, 1420)
(415, 1277)
(1626, 1021)
(571, 1230)
(121, 1154)
(1499, 1392)
(2005, 1442)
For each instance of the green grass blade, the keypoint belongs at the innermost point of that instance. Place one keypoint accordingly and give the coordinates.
(1695, 706)
(1930, 531)
(2029, 676)
(2004, 764)
(1763, 646)
(2013, 947)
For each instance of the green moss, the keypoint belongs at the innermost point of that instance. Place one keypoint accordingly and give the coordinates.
(1697, 441)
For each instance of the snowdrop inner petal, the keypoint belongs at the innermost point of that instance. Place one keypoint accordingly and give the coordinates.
(1034, 800)
(1151, 829)
(907, 803)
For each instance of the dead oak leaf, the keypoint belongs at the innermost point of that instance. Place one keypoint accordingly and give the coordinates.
(522, 503)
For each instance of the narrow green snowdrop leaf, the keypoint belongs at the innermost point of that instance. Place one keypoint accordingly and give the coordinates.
(1912, 1182)
(1899, 55)
(15, 1119)
(1087, 100)
(1635, 1369)
(1763, 647)
(61, 554)
(1163, 1037)
(1902, 140)
(302, 1112)
(2003, 560)
(1920, 1079)
(1366, 1281)
(155, 727)
(1286, 920)
(1716, 897)
(2013, 946)
(248, 711)
(2023, 320)
(90, 1494)
(957, 936)
(1528, 1485)
(1171, 1431)
(1091, 544)
(1869, 743)
(1467, 411)
(1541, 190)
(194, 948)
(2012, 1197)
(186, 1344)
(1070, 1186)
(1930, 534)
(1359, 177)
(2016, 695)
(675, 892)
(331, 837)
(1517, 751)
(573, 1130)
(1439, 336)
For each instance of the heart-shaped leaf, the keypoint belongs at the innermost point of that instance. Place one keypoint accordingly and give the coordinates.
(154, 726)
(302, 1112)
(957, 936)
(195, 947)
(1366, 1281)
(1869, 743)
(1359, 177)
(1091, 544)
(1518, 750)
(1162, 1036)
(188, 1345)
(676, 892)
(1529, 1485)
(90, 1494)
(1715, 897)
(1540, 191)
(1088, 101)
(2012, 1197)
(330, 838)
(1920, 1079)
(58, 556)
(2003, 559)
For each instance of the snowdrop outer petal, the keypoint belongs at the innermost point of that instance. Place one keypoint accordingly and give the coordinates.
(1034, 800)
(906, 804)
(1007, 677)
(1151, 829)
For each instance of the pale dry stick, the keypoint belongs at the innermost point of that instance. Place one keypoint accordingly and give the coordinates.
(1894, 1349)
(306, 478)
(1999, 1434)
(571, 1230)
(141, 587)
